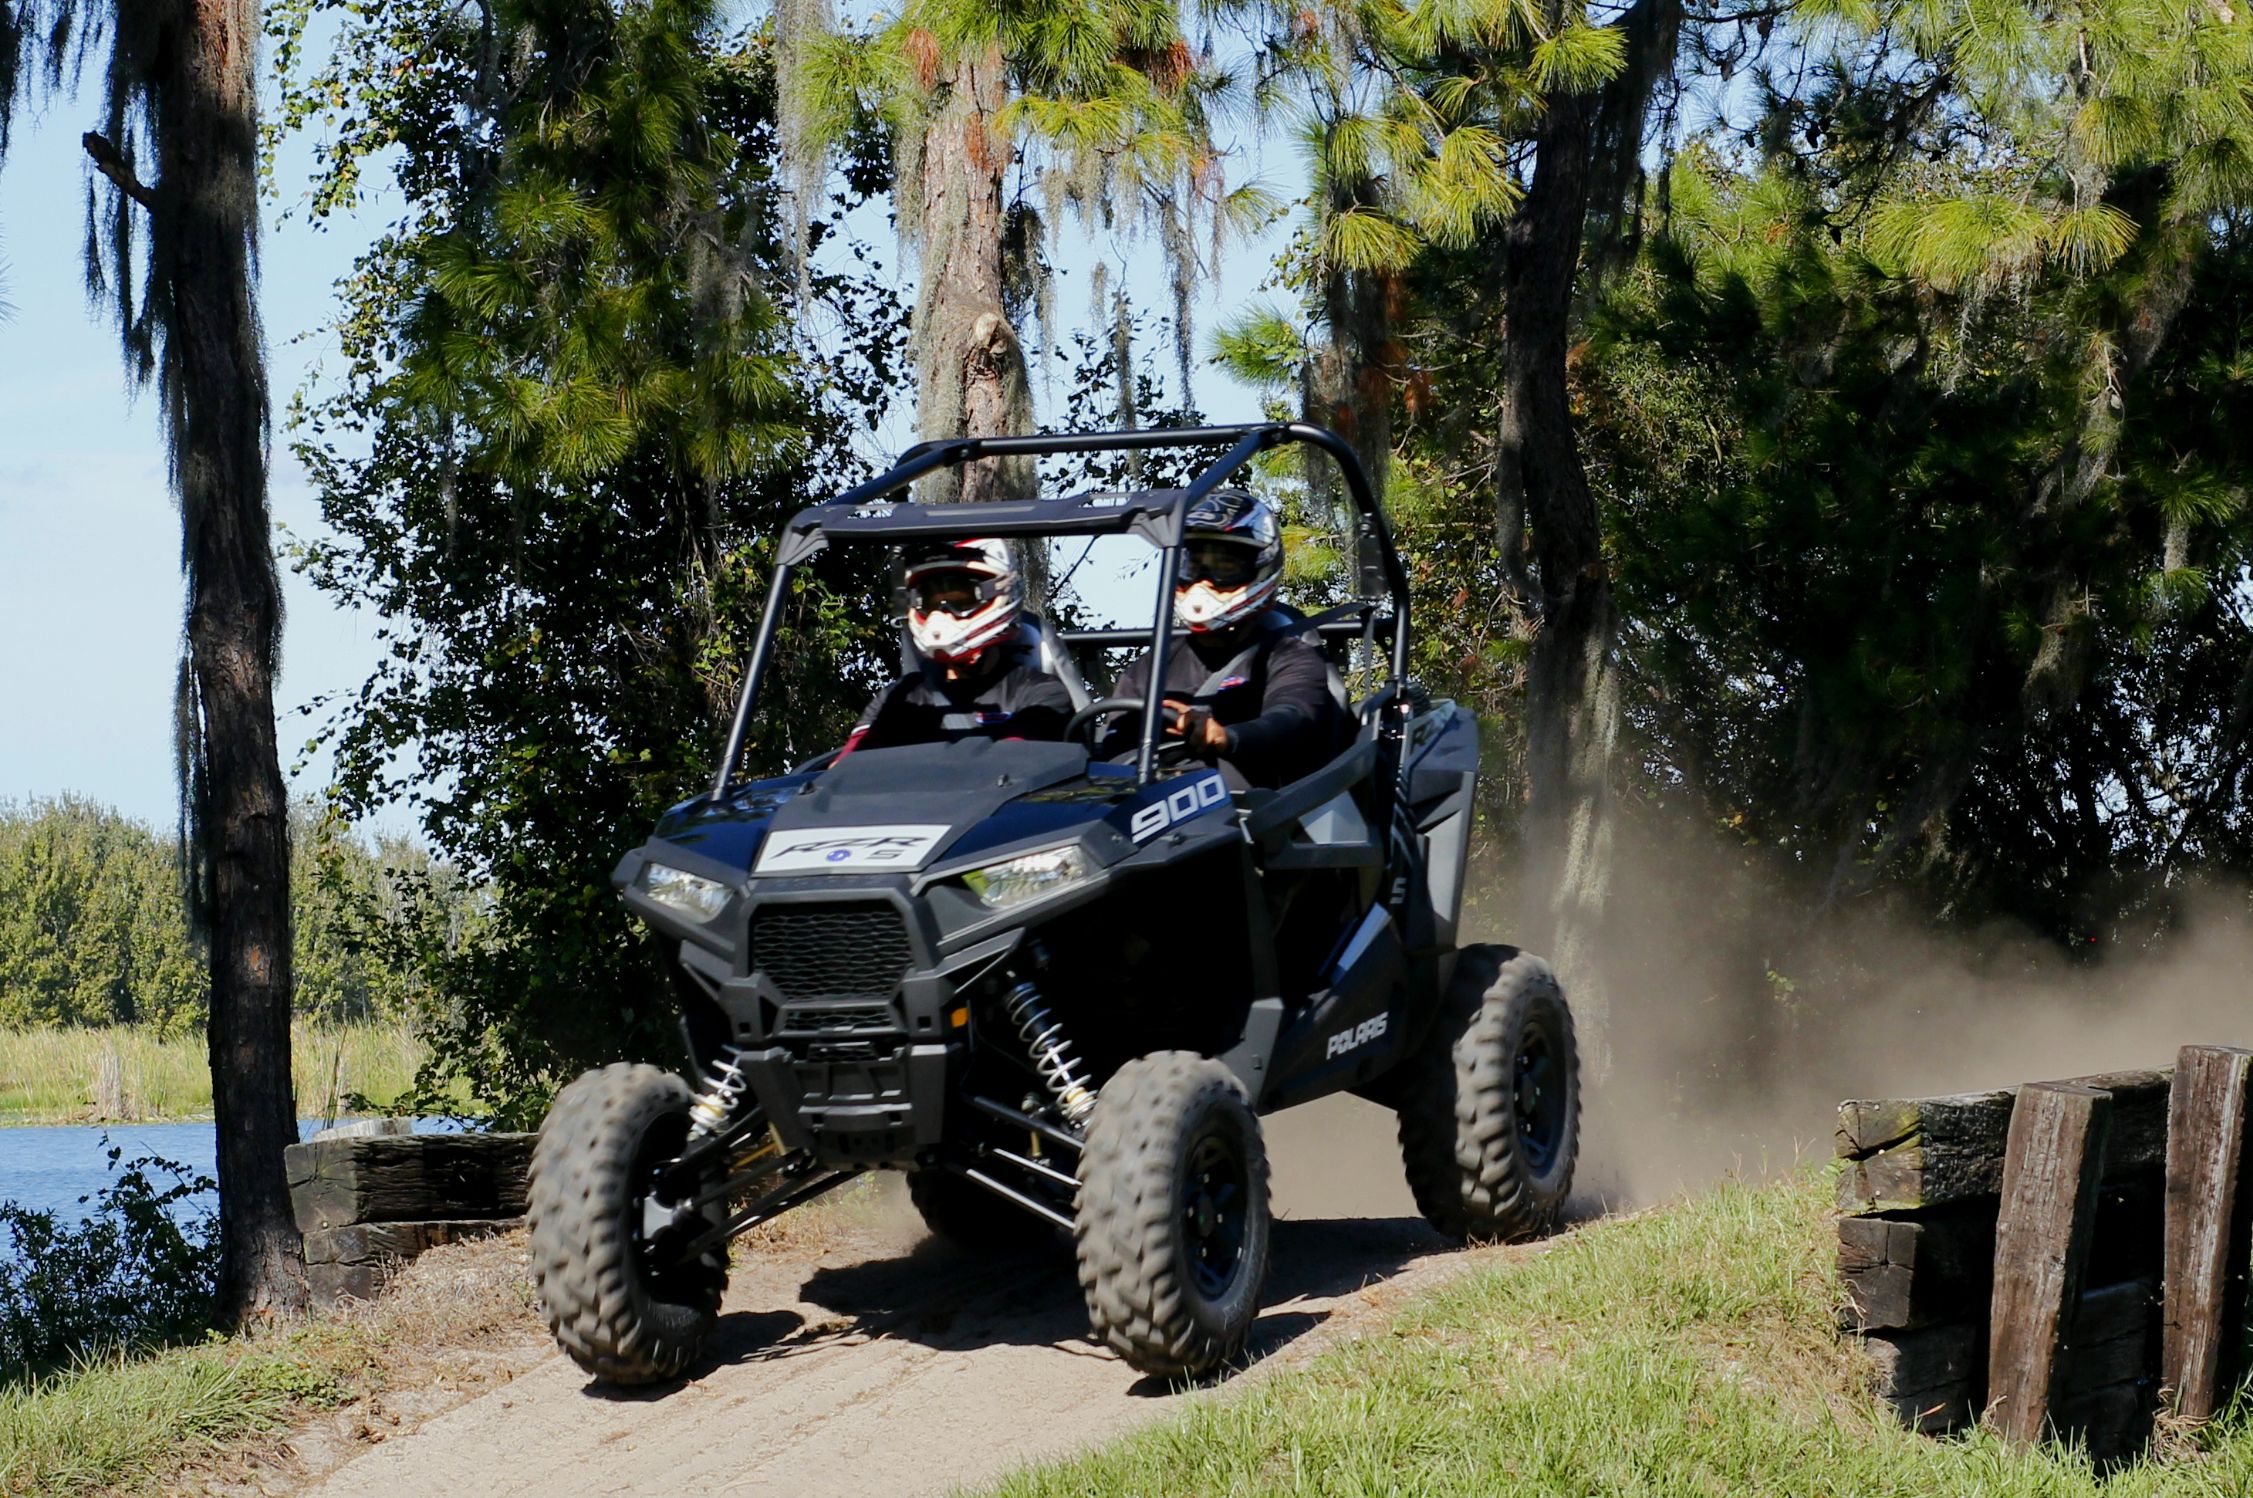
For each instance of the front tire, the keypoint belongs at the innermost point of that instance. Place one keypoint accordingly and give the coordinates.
(1172, 1220)
(1490, 1104)
(615, 1301)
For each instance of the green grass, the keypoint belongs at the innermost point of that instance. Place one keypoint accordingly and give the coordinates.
(1687, 1351)
(117, 1419)
(203, 1414)
(133, 1076)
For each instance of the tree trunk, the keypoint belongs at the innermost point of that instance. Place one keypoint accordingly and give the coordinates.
(1572, 708)
(971, 375)
(214, 391)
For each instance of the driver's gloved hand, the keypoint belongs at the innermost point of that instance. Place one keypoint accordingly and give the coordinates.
(1195, 727)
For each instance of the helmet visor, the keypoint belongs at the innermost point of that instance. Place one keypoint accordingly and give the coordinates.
(951, 590)
(1224, 564)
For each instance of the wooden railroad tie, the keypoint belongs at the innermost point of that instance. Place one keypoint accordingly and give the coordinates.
(2065, 1259)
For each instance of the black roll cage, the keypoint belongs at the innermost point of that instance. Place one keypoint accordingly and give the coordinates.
(867, 513)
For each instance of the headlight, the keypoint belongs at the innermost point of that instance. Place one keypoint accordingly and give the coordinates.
(692, 895)
(1016, 880)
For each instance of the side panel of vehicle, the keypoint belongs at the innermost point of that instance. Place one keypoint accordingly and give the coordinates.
(1351, 1029)
(1443, 763)
(1172, 957)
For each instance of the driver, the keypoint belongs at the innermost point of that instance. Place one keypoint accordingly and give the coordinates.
(977, 674)
(1251, 691)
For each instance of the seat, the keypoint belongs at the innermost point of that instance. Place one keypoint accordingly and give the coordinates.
(1056, 660)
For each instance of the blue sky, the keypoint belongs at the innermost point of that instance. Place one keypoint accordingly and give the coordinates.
(90, 593)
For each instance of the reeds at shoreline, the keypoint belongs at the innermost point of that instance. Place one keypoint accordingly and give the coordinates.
(122, 1075)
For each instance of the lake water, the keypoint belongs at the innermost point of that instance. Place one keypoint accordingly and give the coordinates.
(49, 1169)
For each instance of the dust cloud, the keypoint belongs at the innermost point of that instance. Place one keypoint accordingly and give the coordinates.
(1739, 1019)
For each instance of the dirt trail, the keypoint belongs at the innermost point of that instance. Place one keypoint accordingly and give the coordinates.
(883, 1367)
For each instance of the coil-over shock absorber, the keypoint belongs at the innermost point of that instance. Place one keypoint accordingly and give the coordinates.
(720, 1095)
(1051, 1052)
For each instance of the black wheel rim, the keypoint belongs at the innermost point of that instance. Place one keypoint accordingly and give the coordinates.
(1215, 1203)
(1540, 1099)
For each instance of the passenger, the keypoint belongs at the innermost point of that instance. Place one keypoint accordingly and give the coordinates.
(978, 672)
(1248, 689)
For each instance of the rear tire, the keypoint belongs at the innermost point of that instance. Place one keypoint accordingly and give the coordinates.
(969, 1216)
(612, 1300)
(1173, 1222)
(1490, 1104)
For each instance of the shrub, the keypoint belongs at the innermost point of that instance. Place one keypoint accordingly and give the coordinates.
(135, 1272)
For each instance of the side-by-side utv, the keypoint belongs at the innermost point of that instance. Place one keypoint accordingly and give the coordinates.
(1058, 991)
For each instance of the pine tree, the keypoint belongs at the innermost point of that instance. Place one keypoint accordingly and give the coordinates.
(1003, 120)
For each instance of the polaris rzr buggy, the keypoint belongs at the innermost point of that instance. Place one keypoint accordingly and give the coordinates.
(1057, 991)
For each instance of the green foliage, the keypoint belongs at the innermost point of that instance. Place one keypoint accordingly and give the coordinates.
(92, 926)
(1829, 521)
(1261, 347)
(1912, 421)
(572, 418)
(93, 929)
(1410, 114)
(2081, 102)
(130, 1274)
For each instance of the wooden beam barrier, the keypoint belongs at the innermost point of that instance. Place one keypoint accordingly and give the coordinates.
(2053, 1159)
(368, 1202)
(334, 1183)
(1913, 1154)
(2062, 1256)
(2208, 1210)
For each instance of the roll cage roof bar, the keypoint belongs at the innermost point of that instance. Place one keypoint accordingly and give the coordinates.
(872, 512)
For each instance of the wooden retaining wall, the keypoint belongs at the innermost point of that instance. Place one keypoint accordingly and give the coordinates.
(368, 1203)
(2061, 1259)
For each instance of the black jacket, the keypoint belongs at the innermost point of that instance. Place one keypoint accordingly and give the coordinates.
(1274, 699)
(1011, 698)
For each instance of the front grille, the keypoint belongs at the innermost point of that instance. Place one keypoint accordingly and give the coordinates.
(840, 1019)
(831, 951)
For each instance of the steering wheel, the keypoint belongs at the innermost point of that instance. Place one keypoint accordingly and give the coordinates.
(1098, 710)
(1170, 750)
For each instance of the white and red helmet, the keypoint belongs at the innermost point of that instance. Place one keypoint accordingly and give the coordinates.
(1231, 561)
(963, 598)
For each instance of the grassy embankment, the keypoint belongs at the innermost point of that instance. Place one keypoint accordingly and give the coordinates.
(1683, 1351)
(191, 1418)
(120, 1075)
(214, 1415)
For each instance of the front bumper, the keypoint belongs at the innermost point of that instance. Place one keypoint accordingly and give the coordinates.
(845, 1012)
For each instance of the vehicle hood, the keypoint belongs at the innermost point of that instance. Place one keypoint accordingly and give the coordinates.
(937, 799)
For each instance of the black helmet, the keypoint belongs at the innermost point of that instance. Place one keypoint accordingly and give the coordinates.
(1231, 561)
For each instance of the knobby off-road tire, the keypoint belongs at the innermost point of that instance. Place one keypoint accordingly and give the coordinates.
(967, 1215)
(1490, 1104)
(1172, 1220)
(622, 1317)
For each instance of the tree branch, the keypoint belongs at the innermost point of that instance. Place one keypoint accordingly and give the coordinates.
(111, 163)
